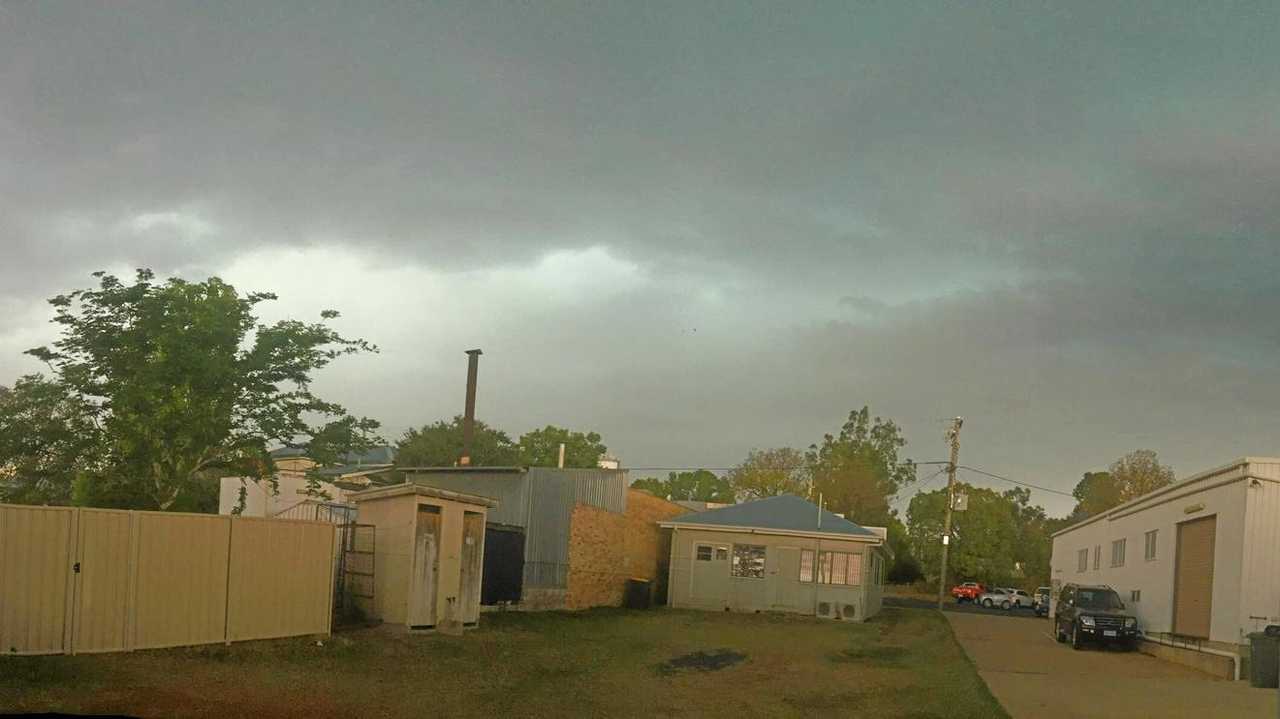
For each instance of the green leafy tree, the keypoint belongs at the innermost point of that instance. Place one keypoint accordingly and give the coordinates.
(179, 383)
(858, 471)
(440, 445)
(1000, 539)
(1140, 472)
(699, 486)
(1096, 492)
(905, 568)
(47, 438)
(541, 448)
(769, 473)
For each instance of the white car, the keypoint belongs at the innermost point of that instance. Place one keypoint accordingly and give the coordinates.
(1005, 598)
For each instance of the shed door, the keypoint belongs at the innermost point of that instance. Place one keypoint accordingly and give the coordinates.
(1193, 578)
(472, 566)
(786, 579)
(426, 568)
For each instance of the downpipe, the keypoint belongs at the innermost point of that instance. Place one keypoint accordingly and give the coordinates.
(1235, 658)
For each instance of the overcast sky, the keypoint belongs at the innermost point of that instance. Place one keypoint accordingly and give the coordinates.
(695, 228)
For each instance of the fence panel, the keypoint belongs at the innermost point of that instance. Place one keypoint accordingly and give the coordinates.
(103, 555)
(281, 578)
(180, 579)
(98, 580)
(35, 572)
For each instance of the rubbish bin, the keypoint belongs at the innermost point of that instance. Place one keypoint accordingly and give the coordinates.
(638, 594)
(1264, 660)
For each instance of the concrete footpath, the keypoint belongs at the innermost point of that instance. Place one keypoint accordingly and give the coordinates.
(1035, 677)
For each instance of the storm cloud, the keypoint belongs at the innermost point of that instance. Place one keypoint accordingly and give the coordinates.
(694, 227)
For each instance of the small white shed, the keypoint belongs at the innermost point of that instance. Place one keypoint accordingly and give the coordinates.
(429, 555)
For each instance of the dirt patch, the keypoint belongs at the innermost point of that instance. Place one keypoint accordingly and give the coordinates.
(880, 654)
(711, 661)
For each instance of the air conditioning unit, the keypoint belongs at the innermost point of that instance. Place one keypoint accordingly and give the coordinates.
(849, 613)
(826, 609)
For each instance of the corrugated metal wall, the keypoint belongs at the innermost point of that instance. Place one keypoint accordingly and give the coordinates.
(541, 500)
(94, 580)
(511, 489)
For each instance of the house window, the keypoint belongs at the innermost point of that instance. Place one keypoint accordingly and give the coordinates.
(1097, 555)
(704, 553)
(722, 553)
(1135, 595)
(1117, 553)
(1150, 552)
(1084, 560)
(839, 568)
(806, 565)
(748, 561)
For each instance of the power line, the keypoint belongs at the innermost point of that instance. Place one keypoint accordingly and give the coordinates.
(728, 469)
(1014, 481)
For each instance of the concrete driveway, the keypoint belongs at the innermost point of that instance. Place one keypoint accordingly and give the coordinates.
(1035, 677)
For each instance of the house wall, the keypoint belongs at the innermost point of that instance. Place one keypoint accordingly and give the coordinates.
(709, 585)
(607, 548)
(1260, 591)
(1223, 495)
(261, 501)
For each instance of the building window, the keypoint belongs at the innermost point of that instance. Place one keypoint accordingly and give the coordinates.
(1117, 553)
(1084, 560)
(806, 565)
(1135, 595)
(1097, 555)
(704, 553)
(1150, 552)
(839, 568)
(722, 553)
(748, 561)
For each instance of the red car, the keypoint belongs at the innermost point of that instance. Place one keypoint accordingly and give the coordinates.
(967, 592)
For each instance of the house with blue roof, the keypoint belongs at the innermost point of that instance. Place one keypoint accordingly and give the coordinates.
(779, 554)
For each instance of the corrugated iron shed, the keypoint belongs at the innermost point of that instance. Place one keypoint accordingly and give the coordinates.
(538, 499)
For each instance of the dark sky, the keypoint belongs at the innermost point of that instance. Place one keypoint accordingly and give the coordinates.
(697, 228)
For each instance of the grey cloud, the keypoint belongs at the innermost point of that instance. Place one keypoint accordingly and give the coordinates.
(1013, 210)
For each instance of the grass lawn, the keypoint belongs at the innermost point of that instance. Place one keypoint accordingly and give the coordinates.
(599, 663)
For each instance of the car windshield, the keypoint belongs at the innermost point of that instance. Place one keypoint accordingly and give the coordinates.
(1098, 599)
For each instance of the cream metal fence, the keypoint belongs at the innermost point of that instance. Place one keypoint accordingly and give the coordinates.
(76, 580)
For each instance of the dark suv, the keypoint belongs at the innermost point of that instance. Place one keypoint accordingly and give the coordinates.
(1093, 614)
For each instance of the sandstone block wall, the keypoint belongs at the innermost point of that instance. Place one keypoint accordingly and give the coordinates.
(606, 549)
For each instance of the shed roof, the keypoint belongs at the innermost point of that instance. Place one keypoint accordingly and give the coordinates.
(786, 513)
(421, 490)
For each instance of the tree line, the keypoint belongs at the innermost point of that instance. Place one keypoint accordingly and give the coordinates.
(157, 389)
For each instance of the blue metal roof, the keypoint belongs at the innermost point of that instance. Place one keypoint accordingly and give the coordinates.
(785, 512)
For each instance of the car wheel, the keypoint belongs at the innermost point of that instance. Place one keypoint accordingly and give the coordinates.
(986, 603)
(1005, 605)
(1076, 642)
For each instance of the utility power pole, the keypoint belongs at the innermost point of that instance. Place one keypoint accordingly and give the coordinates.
(953, 436)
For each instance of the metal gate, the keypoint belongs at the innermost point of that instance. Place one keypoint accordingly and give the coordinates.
(354, 571)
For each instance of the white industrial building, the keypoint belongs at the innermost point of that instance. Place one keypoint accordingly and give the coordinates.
(1198, 561)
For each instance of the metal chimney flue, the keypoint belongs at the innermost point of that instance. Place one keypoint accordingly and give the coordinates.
(469, 418)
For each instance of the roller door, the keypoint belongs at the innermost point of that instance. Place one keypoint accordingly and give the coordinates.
(1193, 578)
